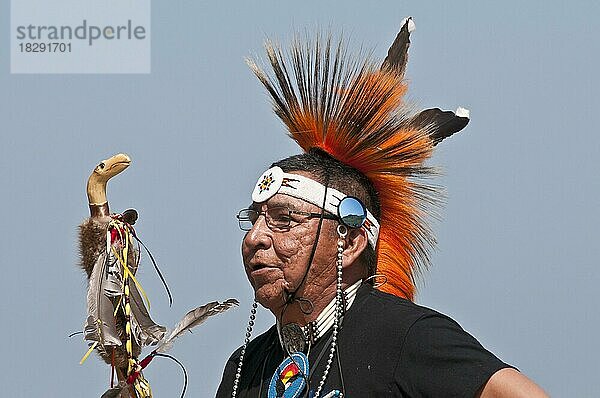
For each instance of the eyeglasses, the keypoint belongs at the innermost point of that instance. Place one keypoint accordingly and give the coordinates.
(278, 217)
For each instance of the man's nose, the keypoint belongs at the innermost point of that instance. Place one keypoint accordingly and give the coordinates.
(259, 235)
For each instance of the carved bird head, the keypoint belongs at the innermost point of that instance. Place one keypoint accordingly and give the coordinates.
(104, 171)
(110, 167)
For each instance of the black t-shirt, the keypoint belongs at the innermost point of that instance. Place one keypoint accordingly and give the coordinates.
(387, 347)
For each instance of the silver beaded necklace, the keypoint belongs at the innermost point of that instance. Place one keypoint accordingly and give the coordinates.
(238, 373)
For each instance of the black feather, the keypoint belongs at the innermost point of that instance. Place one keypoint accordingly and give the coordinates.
(442, 124)
(397, 56)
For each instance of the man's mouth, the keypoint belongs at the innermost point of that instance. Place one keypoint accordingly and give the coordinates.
(258, 266)
(261, 271)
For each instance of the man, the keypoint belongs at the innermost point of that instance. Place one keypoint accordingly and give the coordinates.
(329, 226)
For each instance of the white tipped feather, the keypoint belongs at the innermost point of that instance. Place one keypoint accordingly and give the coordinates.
(411, 24)
(462, 112)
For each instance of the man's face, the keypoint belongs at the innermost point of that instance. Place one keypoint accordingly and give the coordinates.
(276, 260)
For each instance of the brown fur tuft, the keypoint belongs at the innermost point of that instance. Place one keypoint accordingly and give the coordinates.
(92, 242)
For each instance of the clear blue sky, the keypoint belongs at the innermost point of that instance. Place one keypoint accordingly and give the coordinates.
(517, 258)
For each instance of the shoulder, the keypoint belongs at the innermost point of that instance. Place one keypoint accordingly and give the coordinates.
(419, 326)
(387, 323)
(435, 355)
(417, 349)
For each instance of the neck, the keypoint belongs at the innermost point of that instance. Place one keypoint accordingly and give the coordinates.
(320, 298)
(290, 333)
(304, 310)
(99, 210)
(96, 191)
(317, 328)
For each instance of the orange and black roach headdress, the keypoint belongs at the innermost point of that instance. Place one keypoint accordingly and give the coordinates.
(354, 110)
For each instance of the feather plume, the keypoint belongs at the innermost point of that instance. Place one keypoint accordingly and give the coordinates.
(354, 111)
(146, 331)
(114, 392)
(194, 318)
(100, 324)
(441, 124)
(397, 56)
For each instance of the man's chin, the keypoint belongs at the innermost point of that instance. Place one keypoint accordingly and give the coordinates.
(271, 297)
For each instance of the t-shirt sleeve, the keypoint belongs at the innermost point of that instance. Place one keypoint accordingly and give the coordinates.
(439, 359)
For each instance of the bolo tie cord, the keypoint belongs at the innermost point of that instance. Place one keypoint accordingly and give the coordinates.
(337, 354)
(292, 296)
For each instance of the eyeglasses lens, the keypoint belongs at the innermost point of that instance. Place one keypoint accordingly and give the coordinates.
(276, 217)
(247, 218)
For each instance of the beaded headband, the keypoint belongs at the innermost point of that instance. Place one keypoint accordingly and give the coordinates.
(275, 180)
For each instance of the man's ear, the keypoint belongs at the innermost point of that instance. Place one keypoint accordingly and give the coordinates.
(356, 242)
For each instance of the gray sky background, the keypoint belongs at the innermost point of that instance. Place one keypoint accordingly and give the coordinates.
(517, 258)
